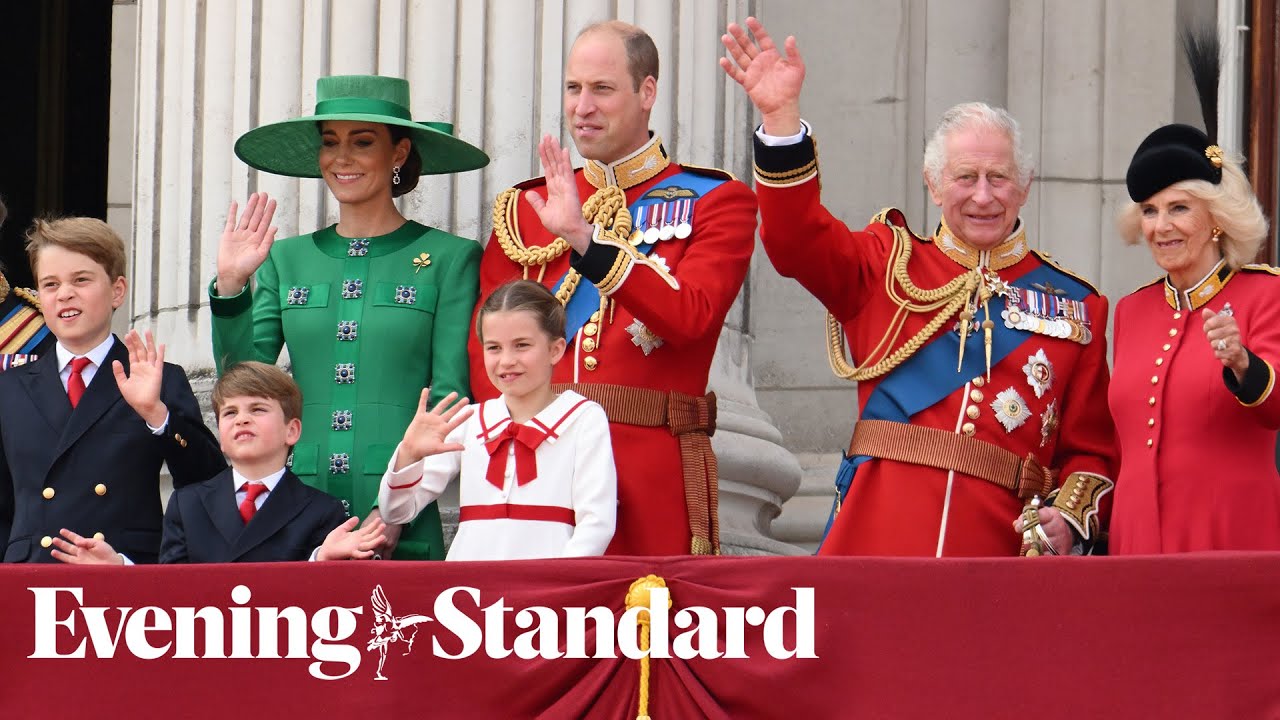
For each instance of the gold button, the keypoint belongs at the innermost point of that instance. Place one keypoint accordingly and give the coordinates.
(979, 381)
(588, 345)
(590, 329)
(1071, 505)
(1151, 401)
(973, 412)
(46, 541)
(1151, 422)
(1173, 331)
(1177, 316)
(975, 395)
(1150, 442)
(1166, 347)
(1159, 362)
(967, 428)
(100, 489)
(1155, 379)
(590, 363)
(99, 536)
(182, 442)
(595, 316)
(48, 493)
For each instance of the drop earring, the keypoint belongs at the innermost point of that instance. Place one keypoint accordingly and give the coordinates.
(395, 175)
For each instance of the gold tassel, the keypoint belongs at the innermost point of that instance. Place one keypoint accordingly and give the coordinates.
(966, 317)
(638, 596)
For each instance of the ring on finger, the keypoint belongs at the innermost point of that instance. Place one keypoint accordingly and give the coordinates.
(1222, 344)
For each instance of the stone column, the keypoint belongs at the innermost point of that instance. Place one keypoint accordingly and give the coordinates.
(209, 70)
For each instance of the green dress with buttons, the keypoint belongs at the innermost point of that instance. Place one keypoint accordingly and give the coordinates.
(368, 323)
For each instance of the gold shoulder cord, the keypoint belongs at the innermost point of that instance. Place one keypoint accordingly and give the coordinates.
(950, 298)
(29, 296)
(607, 207)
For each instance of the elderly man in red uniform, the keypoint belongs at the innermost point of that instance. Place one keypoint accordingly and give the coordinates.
(647, 256)
(981, 367)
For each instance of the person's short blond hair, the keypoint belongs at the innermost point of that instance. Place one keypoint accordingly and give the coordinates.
(1233, 208)
(260, 380)
(88, 236)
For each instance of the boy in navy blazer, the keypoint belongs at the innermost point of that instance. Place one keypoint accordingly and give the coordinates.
(81, 449)
(257, 511)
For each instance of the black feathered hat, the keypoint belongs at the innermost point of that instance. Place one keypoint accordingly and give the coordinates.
(1174, 153)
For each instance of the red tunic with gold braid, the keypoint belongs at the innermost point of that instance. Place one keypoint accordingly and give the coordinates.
(1046, 398)
(1197, 447)
(658, 330)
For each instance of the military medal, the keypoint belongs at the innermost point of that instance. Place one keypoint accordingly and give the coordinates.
(643, 338)
(668, 221)
(1048, 422)
(1039, 372)
(652, 233)
(1011, 410)
(684, 229)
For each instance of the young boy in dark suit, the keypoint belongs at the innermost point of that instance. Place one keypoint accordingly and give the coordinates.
(81, 449)
(257, 511)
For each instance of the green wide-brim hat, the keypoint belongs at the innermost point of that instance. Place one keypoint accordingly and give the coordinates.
(292, 147)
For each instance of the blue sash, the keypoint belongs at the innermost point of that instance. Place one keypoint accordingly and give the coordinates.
(929, 375)
(586, 299)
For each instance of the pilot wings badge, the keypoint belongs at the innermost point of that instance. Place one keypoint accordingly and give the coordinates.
(388, 629)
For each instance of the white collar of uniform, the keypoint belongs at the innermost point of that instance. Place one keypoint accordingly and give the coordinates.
(270, 481)
(97, 355)
(553, 419)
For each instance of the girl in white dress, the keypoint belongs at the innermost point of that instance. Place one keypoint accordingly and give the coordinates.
(537, 472)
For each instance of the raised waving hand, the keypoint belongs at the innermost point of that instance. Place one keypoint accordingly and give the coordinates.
(245, 242)
(772, 78)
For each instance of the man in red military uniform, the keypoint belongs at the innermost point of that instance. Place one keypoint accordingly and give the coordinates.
(982, 368)
(647, 256)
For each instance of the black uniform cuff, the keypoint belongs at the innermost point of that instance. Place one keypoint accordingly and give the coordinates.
(596, 263)
(1258, 381)
(786, 164)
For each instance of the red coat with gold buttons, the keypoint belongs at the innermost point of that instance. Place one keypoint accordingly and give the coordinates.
(674, 305)
(896, 508)
(1197, 462)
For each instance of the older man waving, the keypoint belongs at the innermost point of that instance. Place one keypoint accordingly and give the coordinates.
(981, 366)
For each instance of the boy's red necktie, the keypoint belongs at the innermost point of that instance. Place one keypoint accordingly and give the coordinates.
(248, 506)
(75, 383)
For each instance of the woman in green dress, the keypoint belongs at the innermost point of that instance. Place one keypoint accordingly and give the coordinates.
(373, 308)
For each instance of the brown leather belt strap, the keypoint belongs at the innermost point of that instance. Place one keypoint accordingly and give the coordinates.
(940, 449)
(693, 421)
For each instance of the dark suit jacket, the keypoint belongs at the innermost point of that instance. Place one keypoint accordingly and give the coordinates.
(203, 525)
(47, 448)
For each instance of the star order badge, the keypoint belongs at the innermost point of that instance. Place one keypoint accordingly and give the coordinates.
(1011, 410)
(643, 337)
(1048, 422)
(1039, 372)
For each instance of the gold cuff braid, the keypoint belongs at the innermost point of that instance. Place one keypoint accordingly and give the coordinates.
(1078, 499)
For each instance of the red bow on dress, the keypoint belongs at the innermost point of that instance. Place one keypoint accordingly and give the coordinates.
(527, 440)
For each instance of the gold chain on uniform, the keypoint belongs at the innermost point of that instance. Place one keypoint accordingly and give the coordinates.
(950, 298)
(607, 208)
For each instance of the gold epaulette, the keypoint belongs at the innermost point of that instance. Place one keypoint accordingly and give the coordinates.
(1058, 266)
(1078, 501)
(709, 172)
(895, 218)
(28, 295)
(1260, 268)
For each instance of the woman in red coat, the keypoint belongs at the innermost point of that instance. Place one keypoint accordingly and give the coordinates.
(1195, 356)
